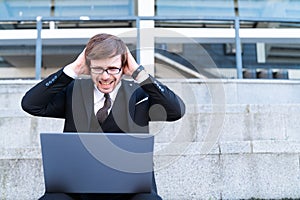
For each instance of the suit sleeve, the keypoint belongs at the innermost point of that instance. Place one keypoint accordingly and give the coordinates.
(165, 105)
(47, 98)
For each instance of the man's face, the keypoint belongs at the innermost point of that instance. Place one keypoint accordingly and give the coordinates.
(107, 81)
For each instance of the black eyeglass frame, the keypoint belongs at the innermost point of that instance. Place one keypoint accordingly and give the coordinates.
(100, 70)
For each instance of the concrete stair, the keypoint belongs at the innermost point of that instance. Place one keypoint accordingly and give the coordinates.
(239, 139)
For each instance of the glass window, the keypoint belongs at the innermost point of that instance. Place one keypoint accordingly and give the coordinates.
(271, 61)
(269, 8)
(65, 8)
(24, 8)
(194, 60)
(93, 8)
(216, 8)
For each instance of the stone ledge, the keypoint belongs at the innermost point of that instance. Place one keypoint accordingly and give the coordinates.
(282, 108)
(276, 146)
(10, 106)
(231, 147)
(186, 149)
(235, 147)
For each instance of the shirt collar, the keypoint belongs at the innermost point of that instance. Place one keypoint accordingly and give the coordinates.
(99, 95)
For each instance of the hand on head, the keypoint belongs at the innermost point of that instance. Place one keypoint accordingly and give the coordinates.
(79, 65)
(131, 65)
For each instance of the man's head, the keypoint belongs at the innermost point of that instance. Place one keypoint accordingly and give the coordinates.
(109, 53)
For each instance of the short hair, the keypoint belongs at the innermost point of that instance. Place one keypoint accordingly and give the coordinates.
(102, 46)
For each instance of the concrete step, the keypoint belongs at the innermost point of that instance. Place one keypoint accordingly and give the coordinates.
(230, 170)
(230, 176)
(194, 91)
(200, 124)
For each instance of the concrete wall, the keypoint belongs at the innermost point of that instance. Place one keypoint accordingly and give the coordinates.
(240, 139)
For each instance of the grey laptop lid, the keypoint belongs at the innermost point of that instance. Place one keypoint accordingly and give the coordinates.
(97, 162)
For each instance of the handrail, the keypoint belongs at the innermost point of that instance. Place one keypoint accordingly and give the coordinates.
(155, 18)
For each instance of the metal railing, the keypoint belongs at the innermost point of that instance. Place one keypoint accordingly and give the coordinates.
(137, 19)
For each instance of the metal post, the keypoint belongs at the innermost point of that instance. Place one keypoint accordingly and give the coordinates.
(146, 34)
(238, 52)
(138, 42)
(38, 49)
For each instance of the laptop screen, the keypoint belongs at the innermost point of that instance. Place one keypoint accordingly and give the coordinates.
(97, 162)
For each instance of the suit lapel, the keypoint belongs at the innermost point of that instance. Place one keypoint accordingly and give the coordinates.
(131, 99)
(83, 92)
(121, 109)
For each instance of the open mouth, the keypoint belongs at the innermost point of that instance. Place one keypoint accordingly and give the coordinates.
(106, 83)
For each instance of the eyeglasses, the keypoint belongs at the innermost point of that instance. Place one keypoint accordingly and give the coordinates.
(110, 70)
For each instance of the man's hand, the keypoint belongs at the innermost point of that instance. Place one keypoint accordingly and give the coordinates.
(79, 65)
(131, 65)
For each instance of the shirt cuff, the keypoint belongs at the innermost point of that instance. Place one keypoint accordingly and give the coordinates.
(70, 72)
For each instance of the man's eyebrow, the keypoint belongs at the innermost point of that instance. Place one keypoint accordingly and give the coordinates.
(104, 67)
(112, 67)
(97, 67)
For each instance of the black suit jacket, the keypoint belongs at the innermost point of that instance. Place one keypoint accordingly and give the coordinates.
(135, 105)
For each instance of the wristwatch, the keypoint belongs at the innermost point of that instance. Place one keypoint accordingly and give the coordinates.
(137, 71)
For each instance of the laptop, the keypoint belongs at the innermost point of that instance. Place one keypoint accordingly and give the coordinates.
(97, 162)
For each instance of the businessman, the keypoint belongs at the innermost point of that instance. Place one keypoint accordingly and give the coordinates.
(105, 102)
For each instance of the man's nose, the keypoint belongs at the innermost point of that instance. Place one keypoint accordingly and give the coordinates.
(105, 75)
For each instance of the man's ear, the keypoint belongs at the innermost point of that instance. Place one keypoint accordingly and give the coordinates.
(124, 59)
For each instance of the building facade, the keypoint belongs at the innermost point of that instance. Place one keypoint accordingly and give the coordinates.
(233, 38)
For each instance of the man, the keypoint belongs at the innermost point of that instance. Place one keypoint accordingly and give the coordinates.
(105, 102)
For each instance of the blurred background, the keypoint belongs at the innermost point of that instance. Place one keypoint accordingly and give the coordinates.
(265, 31)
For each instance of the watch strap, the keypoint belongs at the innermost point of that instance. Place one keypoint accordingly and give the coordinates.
(137, 71)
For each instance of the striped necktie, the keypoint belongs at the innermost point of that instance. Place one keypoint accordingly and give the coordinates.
(103, 112)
